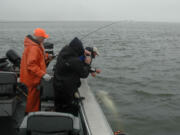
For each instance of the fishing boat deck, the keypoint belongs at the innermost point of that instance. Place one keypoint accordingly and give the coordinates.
(91, 116)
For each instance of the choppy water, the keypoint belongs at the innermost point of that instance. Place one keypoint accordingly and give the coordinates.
(139, 87)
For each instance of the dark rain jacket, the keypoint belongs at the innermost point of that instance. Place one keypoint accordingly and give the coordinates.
(69, 69)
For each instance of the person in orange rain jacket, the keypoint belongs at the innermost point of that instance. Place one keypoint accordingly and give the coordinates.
(33, 68)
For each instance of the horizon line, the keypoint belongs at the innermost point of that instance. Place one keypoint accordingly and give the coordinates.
(88, 21)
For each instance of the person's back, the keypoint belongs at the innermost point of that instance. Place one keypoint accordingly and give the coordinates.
(68, 71)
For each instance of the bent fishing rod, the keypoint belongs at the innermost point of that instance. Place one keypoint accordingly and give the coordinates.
(94, 31)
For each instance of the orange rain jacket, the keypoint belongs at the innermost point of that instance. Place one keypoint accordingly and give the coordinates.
(33, 67)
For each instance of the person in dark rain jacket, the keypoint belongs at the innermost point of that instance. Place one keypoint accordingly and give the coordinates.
(68, 71)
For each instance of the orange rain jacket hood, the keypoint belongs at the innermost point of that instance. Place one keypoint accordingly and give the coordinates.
(33, 65)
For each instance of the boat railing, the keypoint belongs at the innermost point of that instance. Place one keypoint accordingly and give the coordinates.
(85, 124)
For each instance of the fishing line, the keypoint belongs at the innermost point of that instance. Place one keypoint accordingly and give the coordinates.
(98, 29)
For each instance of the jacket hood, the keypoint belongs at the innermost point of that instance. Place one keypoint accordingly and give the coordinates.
(29, 40)
(77, 46)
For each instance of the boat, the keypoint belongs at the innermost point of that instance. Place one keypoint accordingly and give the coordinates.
(90, 121)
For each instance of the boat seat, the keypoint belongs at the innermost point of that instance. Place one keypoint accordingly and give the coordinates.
(8, 82)
(50, 123)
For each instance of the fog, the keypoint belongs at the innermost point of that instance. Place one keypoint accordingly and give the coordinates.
(90, 10)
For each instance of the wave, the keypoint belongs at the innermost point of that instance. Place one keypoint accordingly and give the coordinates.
(145, 93)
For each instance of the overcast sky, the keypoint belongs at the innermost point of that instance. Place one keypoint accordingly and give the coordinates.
(90, 10)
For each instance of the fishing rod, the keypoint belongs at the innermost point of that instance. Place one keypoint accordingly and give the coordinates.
(98, 29)
(92, 32)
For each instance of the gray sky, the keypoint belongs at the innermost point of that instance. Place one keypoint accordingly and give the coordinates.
(90, 10)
